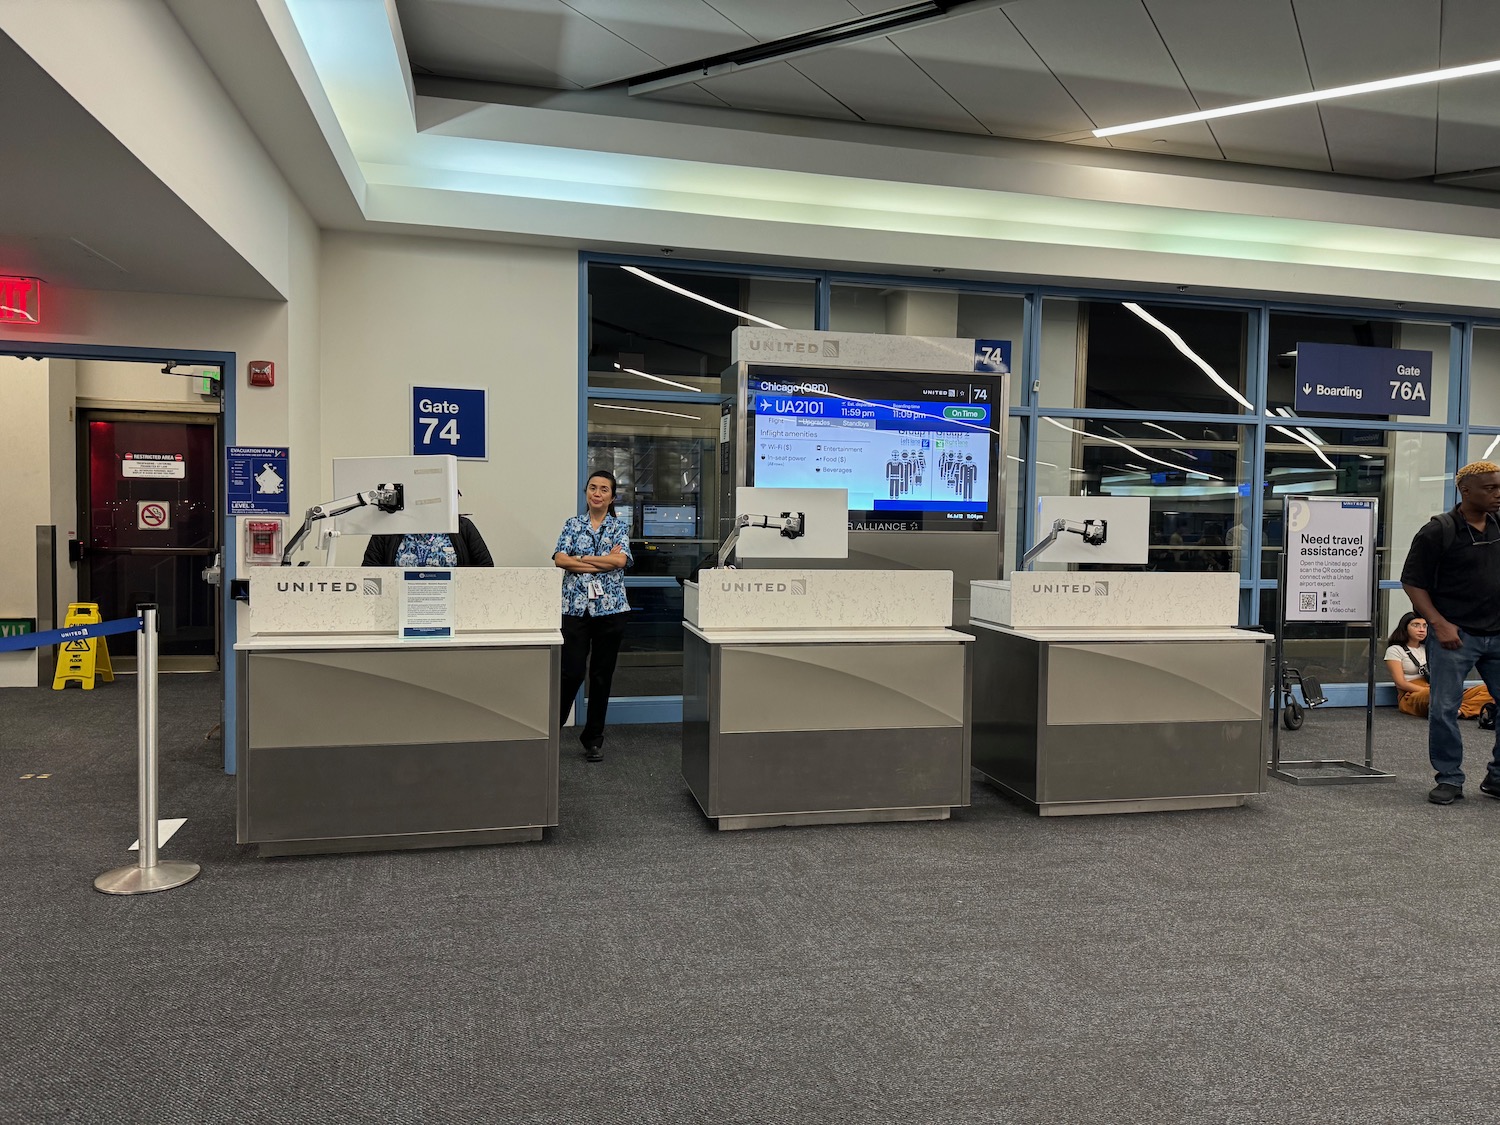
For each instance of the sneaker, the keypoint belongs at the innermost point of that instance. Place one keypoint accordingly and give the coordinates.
(1487, 717)
(1490, 787)
(594, 753)
(1445, 794)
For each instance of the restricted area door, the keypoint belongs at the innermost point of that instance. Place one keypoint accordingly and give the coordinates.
(150, 525)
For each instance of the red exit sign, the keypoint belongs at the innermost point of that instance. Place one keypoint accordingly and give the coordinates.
(20, 300)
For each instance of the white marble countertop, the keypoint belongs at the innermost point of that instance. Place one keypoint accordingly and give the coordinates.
(874, 635)
(274, 642)
(1140, 633)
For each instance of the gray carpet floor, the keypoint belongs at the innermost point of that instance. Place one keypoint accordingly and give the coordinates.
(1324, 954)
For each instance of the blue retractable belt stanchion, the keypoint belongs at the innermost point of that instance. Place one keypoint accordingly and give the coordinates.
(148, 874)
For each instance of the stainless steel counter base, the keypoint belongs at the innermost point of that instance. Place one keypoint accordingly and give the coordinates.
(851, 816)
(400, 843)
(383, 749)
(851, 732)
(1085, 727)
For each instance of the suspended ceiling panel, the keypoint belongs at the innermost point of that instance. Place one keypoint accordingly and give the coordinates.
(1113, 62)
(990, 69)
(670, 31)
(1034, 69)
(777, 88)
(878, 82)
(1469, 111)
(1235, 53)
(528, 42)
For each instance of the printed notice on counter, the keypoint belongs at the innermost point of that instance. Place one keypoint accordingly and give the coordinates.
(1330, 553)
(426, 604)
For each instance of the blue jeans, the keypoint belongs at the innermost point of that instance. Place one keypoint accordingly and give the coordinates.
(1446, 669)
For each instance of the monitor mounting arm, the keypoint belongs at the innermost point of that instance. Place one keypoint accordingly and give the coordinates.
(1094, 533)
(386, 497)
(790, 524)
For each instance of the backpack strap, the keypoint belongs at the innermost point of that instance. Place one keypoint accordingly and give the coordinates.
(1421, 668)
(1450, 529)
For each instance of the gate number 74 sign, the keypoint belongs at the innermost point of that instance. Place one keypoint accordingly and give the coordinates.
(450, 420)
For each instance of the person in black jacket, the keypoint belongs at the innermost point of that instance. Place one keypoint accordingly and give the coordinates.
(438, 549)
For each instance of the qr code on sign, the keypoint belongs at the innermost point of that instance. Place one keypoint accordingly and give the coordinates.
(1308, 603)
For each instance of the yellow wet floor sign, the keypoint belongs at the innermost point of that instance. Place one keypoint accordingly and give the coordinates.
(82, 660)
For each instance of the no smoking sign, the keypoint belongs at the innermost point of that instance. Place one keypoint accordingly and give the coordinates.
(153, 515)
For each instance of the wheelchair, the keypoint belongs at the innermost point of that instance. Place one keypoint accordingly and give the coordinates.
(1292, 712)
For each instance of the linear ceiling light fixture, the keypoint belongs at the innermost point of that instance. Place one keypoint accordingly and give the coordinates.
(700, 298)
(1376, 86)
(807, 42)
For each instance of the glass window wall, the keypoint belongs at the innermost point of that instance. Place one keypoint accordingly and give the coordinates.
(1403, 470)
(1128, 355)
(892, 311)
(1287, 330)
(662, 454)
(1196, 477)
(646, 337)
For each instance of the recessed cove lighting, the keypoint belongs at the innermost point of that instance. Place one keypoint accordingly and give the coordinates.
(1428, 76)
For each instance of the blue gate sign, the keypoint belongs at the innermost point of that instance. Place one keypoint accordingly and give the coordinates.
(992, 355)
(450, 420)
(256, 477)
(1348, 379)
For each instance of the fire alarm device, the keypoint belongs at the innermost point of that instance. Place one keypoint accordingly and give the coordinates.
(263, 542)
(262, 373)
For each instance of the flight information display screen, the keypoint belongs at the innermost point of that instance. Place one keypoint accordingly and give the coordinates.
(916, 452)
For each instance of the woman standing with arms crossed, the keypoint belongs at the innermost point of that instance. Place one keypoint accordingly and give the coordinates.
(594, 549)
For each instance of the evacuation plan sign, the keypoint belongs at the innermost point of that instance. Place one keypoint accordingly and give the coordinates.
(1345, 379)
(256, 478)
(1330, 556)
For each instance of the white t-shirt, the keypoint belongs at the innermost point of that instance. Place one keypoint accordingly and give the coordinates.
(1409, 666)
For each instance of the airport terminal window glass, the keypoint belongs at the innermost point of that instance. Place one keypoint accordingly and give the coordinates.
(1405, 471)
(662, 453)
(1287, 330)
(1484, 379)
(932, 312)
(638, 329)
(1141, 355)
(1015, 487)
(1196, 476)
(1482, 447)
(1333, 653)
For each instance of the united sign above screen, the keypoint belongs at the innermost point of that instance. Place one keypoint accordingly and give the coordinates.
(916, 452)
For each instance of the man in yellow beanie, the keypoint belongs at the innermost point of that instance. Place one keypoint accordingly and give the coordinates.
(1452, 576)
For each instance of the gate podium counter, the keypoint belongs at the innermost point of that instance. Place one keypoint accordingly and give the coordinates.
(824, 697)
(352, 739)
(1104, 692)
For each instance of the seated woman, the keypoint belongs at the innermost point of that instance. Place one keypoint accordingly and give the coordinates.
(1407, 660)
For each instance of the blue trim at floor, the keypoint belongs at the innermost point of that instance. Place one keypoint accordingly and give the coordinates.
(668, 708)
(1353, 695)
(646, 709)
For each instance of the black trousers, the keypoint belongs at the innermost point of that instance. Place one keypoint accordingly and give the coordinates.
(590, 647)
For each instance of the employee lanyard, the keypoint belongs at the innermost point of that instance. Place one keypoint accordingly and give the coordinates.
(593, 587)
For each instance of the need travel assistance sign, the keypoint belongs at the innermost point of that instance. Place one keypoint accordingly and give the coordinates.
(1330, 553)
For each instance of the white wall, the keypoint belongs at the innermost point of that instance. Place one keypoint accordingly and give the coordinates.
(398, 311)
(110, 383)
(131, 65)
(36, 467)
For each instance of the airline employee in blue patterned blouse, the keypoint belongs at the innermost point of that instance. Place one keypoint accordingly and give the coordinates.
(594, 549)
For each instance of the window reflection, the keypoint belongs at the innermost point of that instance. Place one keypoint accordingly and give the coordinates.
(1199, 501)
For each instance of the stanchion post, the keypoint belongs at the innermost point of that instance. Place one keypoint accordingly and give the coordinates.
(148, 873)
